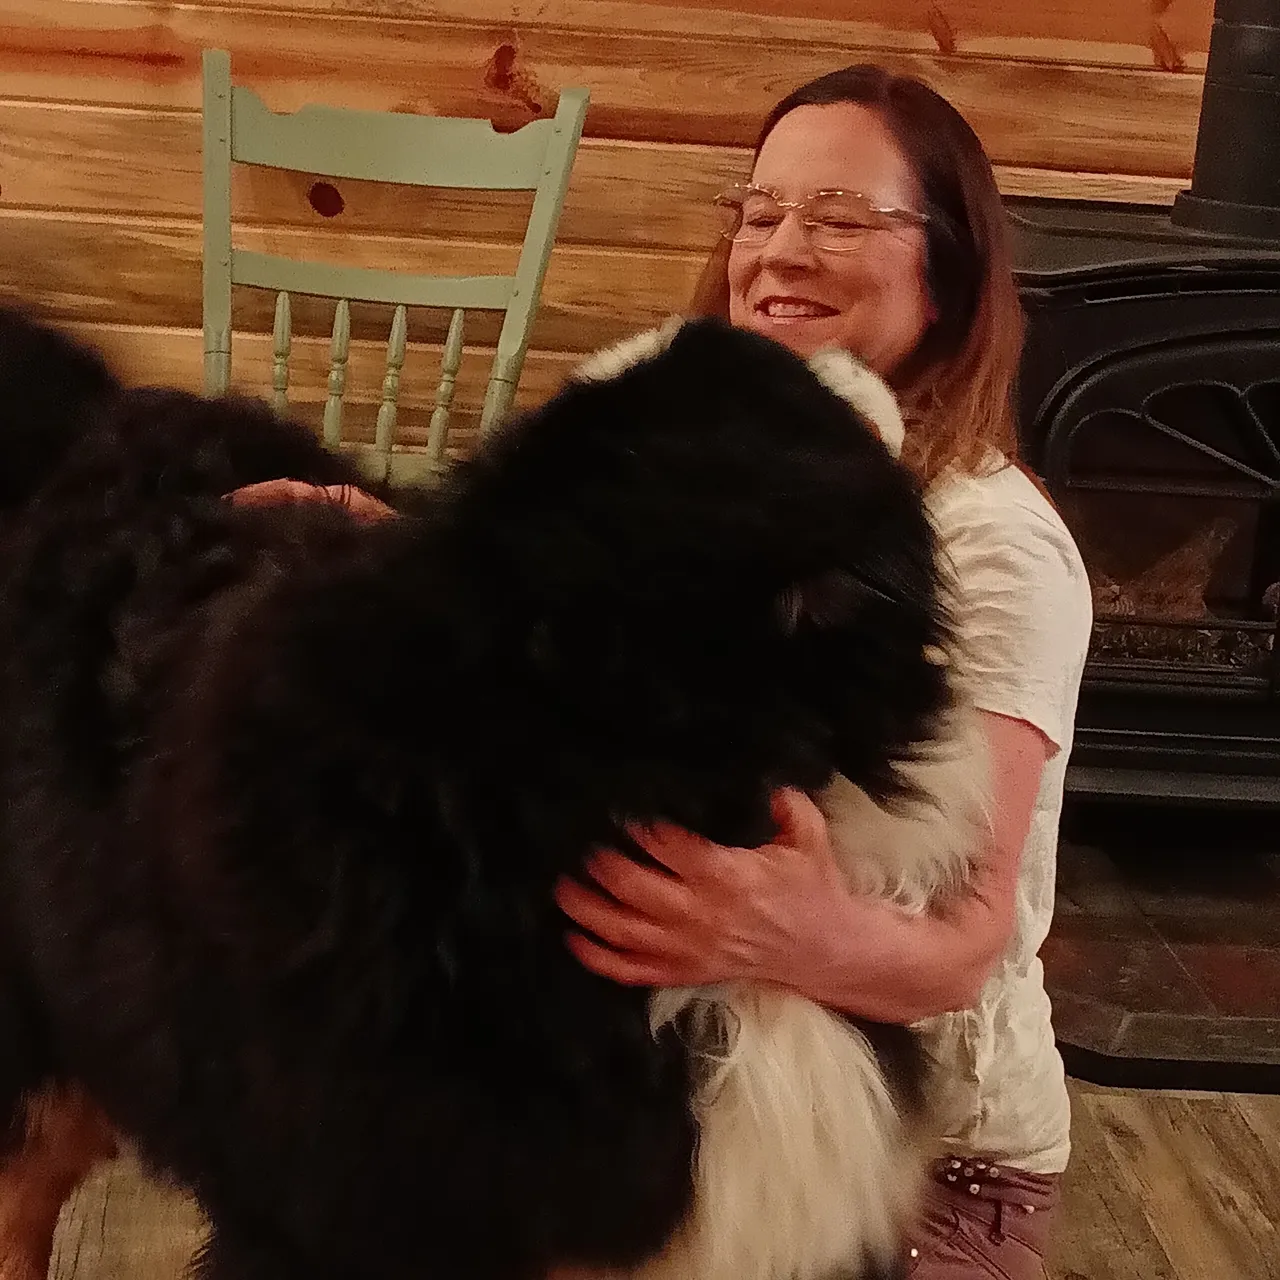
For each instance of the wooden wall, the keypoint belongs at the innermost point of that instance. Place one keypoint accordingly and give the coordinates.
(100, 144)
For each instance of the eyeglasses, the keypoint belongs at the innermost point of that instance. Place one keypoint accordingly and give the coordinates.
(836, 221)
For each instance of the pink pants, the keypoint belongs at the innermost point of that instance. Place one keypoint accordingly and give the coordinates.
(983, 1221)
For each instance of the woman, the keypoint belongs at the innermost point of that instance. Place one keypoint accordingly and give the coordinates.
(872, 221)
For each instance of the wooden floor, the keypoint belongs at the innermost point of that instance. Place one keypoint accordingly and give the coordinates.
(1163, 1186)
(1171, 1186)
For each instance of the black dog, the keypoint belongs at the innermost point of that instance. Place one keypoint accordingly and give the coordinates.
(285, 796)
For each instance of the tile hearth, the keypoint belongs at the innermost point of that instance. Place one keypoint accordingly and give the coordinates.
(1163, 962)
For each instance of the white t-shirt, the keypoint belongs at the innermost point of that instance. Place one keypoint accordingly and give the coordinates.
(1023, 614)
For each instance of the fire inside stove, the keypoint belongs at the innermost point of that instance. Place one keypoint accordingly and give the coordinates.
(1176, 508)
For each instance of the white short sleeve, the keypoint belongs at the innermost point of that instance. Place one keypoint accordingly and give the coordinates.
(1023, 609)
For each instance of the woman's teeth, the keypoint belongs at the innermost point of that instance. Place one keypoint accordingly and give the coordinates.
(785, 310)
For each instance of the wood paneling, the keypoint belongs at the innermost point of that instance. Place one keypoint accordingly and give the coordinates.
(146, 163)
(643, 86)
(1065, 185)
(128, 270)
(1139, 33)
(100, 142)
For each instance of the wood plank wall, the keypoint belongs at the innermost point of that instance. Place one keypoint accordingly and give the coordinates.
(100, 145)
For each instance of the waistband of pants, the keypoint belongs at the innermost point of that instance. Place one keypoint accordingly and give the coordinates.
(984, 1179)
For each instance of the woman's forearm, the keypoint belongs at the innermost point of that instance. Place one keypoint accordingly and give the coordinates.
(891, 967)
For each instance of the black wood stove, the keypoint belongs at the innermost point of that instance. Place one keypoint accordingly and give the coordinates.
(1150, 405)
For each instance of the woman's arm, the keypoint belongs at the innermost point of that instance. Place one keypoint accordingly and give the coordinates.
(782, 913)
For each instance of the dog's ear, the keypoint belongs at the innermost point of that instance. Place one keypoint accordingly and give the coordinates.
(901, 579)
(830, 599)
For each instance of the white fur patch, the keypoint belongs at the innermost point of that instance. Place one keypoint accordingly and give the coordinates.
(805, 1168)
(921, 849)
(609, 362)
(867, 392)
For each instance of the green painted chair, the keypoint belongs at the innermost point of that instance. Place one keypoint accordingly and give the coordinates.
(432, 151)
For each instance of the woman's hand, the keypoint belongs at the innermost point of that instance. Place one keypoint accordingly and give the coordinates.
(709, 913)
(782, 913)
(272, 493)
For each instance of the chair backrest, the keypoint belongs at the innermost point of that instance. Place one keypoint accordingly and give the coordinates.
(429, 151)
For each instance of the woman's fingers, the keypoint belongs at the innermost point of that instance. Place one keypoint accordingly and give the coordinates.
(273, 493)
(646, 889)
(617, 966)
(269, 493)
(616, 923)
(801, 825)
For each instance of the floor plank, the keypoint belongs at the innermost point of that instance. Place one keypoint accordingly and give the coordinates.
(1262, 1114)
(122, 1226)
(1193, 1179)
(1102, 1232)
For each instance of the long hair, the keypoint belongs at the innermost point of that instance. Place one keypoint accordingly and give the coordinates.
(957, 388)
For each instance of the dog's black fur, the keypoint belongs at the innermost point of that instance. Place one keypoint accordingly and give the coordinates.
(50, 385)
(284, 796)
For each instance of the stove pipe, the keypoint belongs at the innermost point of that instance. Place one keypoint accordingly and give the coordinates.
(1235, 186)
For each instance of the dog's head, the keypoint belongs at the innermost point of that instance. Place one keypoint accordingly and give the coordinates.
(679, 584)
(731, 557)
(848, 377)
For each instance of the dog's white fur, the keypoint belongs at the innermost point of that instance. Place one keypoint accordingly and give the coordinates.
(609, 362)
(805, 1167)
(869, 394)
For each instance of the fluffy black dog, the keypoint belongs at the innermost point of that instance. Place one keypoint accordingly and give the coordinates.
(285, 796)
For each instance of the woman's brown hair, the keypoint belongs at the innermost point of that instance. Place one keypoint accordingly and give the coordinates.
(957, 389)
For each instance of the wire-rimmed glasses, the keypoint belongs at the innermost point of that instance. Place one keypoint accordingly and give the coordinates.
(835, 221)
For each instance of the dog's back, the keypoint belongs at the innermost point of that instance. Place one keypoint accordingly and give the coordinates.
(52, 389)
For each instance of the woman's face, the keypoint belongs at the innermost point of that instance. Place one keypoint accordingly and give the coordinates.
(872, 300)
